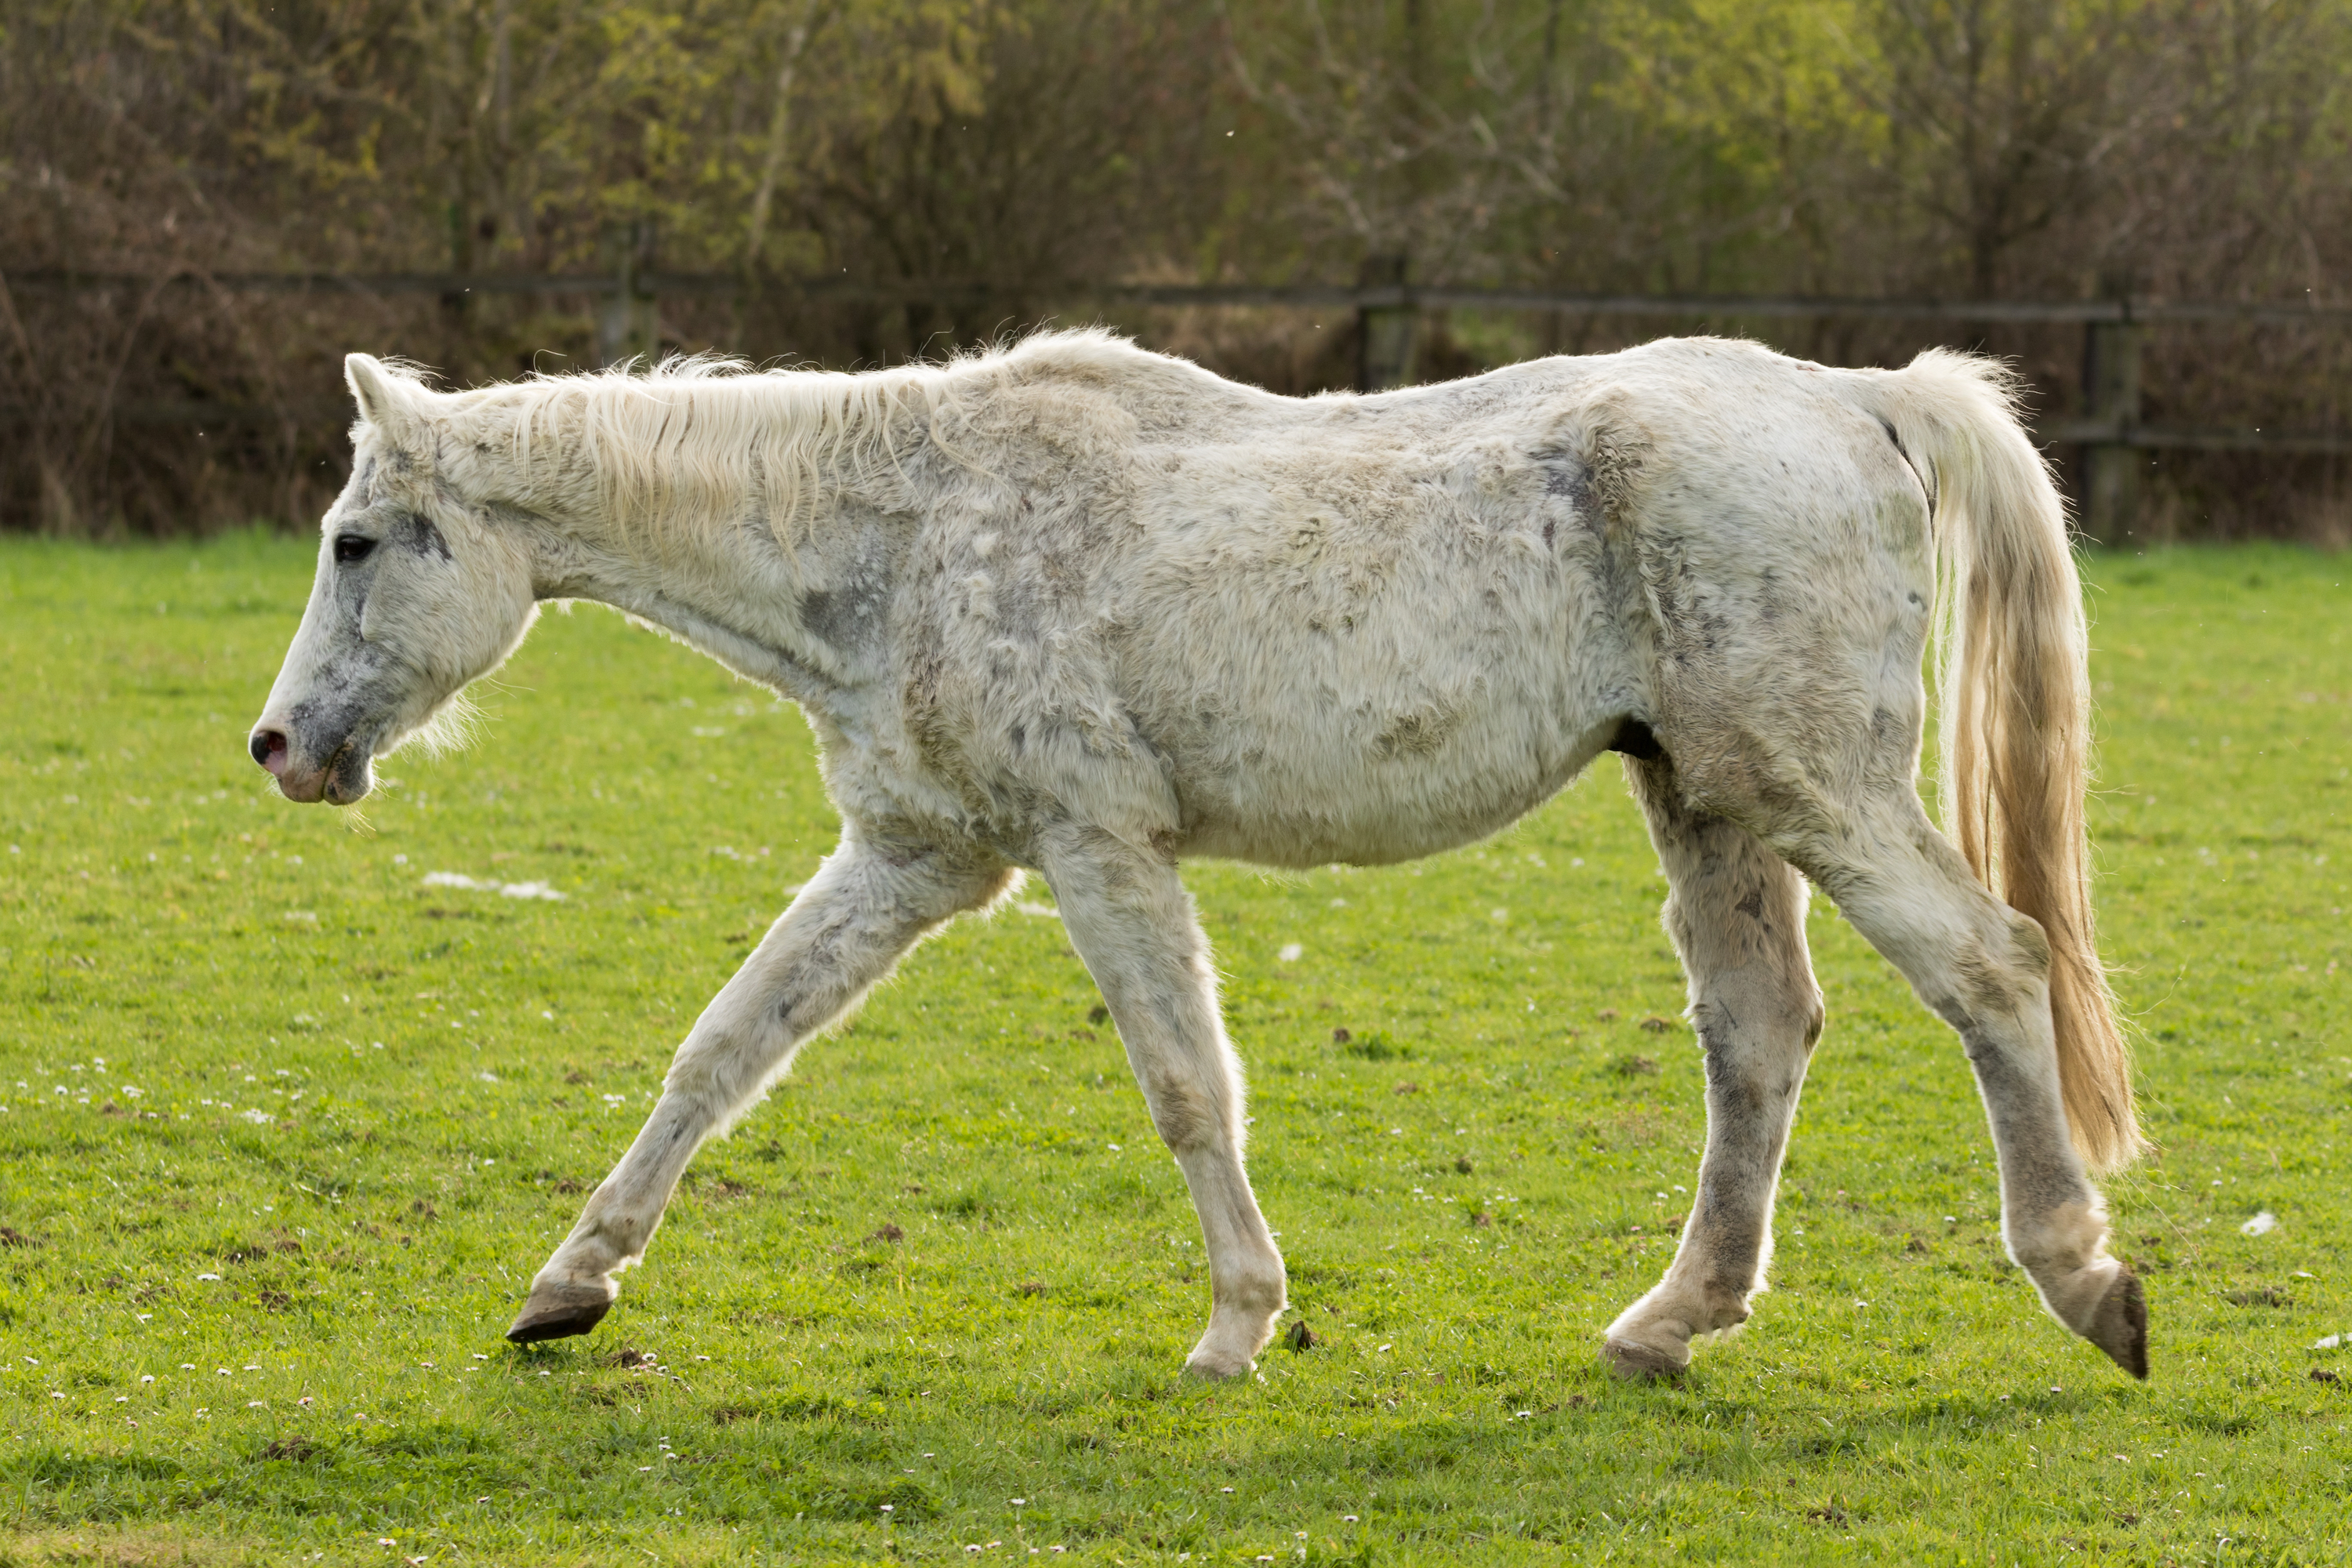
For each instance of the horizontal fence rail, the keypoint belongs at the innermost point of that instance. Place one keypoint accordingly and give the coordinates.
(2109, 432)
(2122, 310)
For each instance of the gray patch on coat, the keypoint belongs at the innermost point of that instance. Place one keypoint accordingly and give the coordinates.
(1567, 481)
(1616, 450)
(850, 617)
(1418, 733)
(425, 539)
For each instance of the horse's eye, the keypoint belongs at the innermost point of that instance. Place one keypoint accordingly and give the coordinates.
(349, 547)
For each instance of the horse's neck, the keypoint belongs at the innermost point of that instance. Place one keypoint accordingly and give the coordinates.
(732, 591)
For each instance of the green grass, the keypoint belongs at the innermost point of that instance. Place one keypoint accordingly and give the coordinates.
(444, 1071)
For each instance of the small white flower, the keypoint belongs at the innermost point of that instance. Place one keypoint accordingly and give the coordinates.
(2262, 1224)
(203, 1277)
(1291, 953)
(258, 1117)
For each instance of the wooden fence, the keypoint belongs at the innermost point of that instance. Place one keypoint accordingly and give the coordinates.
(2110, 429)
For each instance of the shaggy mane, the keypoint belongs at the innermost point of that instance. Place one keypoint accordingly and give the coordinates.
(676, 450)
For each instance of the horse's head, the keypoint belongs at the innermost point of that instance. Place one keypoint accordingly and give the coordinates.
(419, 590)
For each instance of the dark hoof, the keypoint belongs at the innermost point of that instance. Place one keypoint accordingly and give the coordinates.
(556, 1319)
(1638, 1363)
(2120, 1325)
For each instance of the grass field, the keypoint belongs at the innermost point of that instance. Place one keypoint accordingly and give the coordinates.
(286, 1126)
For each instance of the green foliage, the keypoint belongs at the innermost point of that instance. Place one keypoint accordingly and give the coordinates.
(971, 165)
(445, 1072)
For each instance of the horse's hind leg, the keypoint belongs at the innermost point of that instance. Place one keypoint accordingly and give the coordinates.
(1984, 968)
(1130, 919)
(1737, 914)
(866, 906)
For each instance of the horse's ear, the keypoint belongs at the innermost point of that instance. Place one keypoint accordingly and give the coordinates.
(385, 401)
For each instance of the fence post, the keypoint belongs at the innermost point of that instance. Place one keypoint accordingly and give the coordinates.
(628, 322)
(1386, 335)
(2111, 397)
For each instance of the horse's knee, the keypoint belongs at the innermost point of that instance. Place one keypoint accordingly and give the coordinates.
(1185, 1119)
(716, 1069)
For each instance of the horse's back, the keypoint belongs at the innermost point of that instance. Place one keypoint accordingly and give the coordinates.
(1295, 631)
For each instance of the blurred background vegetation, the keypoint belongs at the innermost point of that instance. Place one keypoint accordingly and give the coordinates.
(1007, 152)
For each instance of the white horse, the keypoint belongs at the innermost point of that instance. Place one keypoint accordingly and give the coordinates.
(1079, 608)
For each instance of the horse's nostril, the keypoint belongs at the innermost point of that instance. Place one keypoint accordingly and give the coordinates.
(267, 744)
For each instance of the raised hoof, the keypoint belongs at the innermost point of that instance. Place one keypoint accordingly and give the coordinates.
(559, 1317)
(1636, 1363)
(2120, 1325)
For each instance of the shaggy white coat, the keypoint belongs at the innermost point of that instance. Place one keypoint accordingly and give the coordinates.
(1087, 610)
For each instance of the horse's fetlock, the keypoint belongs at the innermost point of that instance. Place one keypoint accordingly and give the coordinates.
(1252, 1292)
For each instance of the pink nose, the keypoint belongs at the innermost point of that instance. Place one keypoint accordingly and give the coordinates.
(269, 748)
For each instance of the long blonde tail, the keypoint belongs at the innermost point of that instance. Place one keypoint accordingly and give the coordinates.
(2014, 687)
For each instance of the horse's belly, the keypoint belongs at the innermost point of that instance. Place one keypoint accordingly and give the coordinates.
(1375, 726)
(1328, 786)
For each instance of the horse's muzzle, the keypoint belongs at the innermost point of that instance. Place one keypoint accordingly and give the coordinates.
(344, 779)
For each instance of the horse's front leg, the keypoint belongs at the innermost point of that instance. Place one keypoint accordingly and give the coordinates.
(1130, 919)
(868, 904)
(1736, 913)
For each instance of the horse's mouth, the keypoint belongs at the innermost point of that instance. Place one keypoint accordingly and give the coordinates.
(349, 774)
